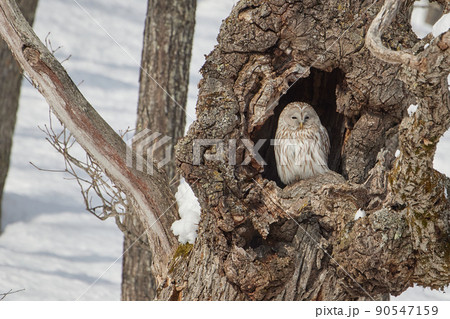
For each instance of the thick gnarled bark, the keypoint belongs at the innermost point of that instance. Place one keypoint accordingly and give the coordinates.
(301, 242)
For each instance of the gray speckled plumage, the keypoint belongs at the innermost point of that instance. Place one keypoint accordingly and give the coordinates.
(301, 143)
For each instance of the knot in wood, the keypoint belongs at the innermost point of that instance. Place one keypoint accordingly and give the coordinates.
(444, 43)
(32, 55)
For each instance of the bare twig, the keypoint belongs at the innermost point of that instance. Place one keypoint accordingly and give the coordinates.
(125, 132)
(10, 292)
(95, 186)
(48, 44)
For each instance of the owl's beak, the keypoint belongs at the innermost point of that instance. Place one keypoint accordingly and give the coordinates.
(301, 125)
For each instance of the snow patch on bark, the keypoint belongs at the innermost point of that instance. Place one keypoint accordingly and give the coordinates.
(189, 209)
(412, 109)
(360, 214)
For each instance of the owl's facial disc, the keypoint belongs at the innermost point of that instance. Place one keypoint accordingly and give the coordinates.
(298, 119)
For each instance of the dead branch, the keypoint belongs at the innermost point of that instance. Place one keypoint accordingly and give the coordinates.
(149, 194)
(376, 29)
(95, 186)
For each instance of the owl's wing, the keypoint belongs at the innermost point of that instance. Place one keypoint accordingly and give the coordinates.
(325, 140)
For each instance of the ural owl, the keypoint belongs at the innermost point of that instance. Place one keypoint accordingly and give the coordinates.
(301, 143)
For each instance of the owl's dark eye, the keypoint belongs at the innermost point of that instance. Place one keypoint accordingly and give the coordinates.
(294, 117)
(306, 117)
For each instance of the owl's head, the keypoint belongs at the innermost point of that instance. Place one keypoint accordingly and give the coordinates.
(298, 116)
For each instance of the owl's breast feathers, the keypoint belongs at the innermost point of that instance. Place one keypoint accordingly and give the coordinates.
(302, 153)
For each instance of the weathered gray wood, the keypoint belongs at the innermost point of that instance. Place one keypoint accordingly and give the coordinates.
(378, 27)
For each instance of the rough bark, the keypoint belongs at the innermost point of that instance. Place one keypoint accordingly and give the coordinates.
(260, 240)
(164, 79)
(148, 193)
(416, 189)
(10, 82)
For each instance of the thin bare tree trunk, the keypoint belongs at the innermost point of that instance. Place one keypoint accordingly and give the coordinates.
(10, 82)
(164, 79)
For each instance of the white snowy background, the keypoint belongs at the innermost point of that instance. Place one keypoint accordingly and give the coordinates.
(50, 246)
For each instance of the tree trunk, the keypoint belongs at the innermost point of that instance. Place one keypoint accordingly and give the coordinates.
(10, 82)
(260, 240)
(164, 79)
(360, 66)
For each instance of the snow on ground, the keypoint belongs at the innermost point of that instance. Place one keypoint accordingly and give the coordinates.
(419, 26)
(50, 246)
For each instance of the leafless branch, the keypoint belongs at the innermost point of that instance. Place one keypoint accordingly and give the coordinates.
(10, 292)
(101, 196)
